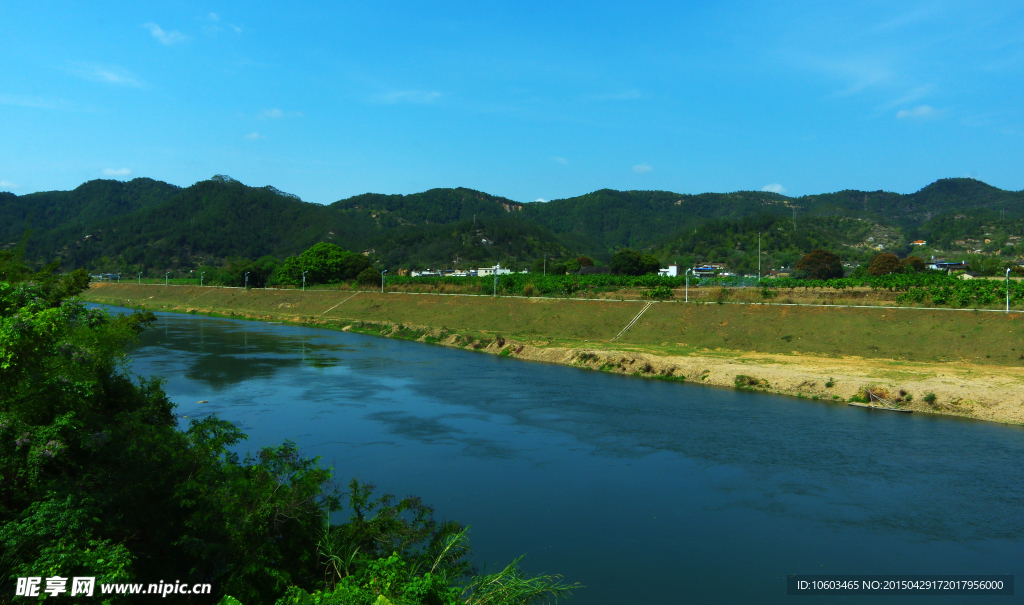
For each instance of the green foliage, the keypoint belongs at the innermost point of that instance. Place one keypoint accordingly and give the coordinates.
(659, 293)
(929, 398)
(369, 277)
(155, 227)
(915, 263)
(631, 262)
(55, 214)
(261, 273)
(323, 263)
(820, 264)
(884, 264)
(98, 480)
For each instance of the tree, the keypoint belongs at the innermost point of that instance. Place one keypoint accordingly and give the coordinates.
(884, 264)
(915, 263)
(631, 262)
(98, 481)
(626, 262)
(649, 264)
(585, 261)
(820, 264)
(324, 263)
(369, 277)
(261, 272)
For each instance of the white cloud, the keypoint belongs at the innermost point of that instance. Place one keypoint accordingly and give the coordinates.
(407, 96)
(166, 38)
(910, 97)
(909, 18)
(7, 185)
(858, 73)
(562, 161)
(252, 136)
(774, 188)
(921, 112)
(642, 168)
(37, 102)
(540, 199)
(116, 171)
(235, 28)
(277, 114)
(213, 17)
(108, 74)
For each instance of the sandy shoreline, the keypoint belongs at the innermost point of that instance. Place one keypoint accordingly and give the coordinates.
(981, 391)
(994, 394)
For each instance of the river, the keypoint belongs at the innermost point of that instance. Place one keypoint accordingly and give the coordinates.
(643, 491)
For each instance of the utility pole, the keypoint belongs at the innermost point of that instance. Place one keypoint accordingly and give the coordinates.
(246, 280)
(201, 275)
(304, 280)
(382, 274)
(140, 278)
(687, 274)
(497, 268)
(165, 277)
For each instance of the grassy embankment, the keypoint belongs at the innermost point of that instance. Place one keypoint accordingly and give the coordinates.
(973, 362)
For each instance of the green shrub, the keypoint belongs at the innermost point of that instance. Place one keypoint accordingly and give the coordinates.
(369, 277)
(659, 293)
(744, 381)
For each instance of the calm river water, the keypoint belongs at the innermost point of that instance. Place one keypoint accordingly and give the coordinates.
(643, 491)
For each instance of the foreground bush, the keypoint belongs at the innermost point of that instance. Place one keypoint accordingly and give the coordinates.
(97, 480)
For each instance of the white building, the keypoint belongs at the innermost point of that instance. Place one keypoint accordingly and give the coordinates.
(495, 270)
(671, 271)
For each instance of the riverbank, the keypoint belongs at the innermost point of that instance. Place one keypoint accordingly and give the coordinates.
(973, 362)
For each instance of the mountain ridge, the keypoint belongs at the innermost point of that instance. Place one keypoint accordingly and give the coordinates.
(148, 223)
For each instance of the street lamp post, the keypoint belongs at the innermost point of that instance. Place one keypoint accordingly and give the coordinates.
(201, 278)
(759, 257)
(687, 274)
(165, 277)
(382, 276)
(246, 280)
(304, 280)
(1007, 290)
(496, 269)
(118, 278)
(140, 278)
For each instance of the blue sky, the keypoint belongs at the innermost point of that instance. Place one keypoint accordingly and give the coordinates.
(527, 100)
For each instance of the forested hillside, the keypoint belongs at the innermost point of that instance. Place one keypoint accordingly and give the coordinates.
(83, 207)
(149, 226)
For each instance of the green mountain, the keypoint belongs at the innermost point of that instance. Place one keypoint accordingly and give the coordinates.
(431, 207)
(600, 222)
(148, 225)
(85, 206)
